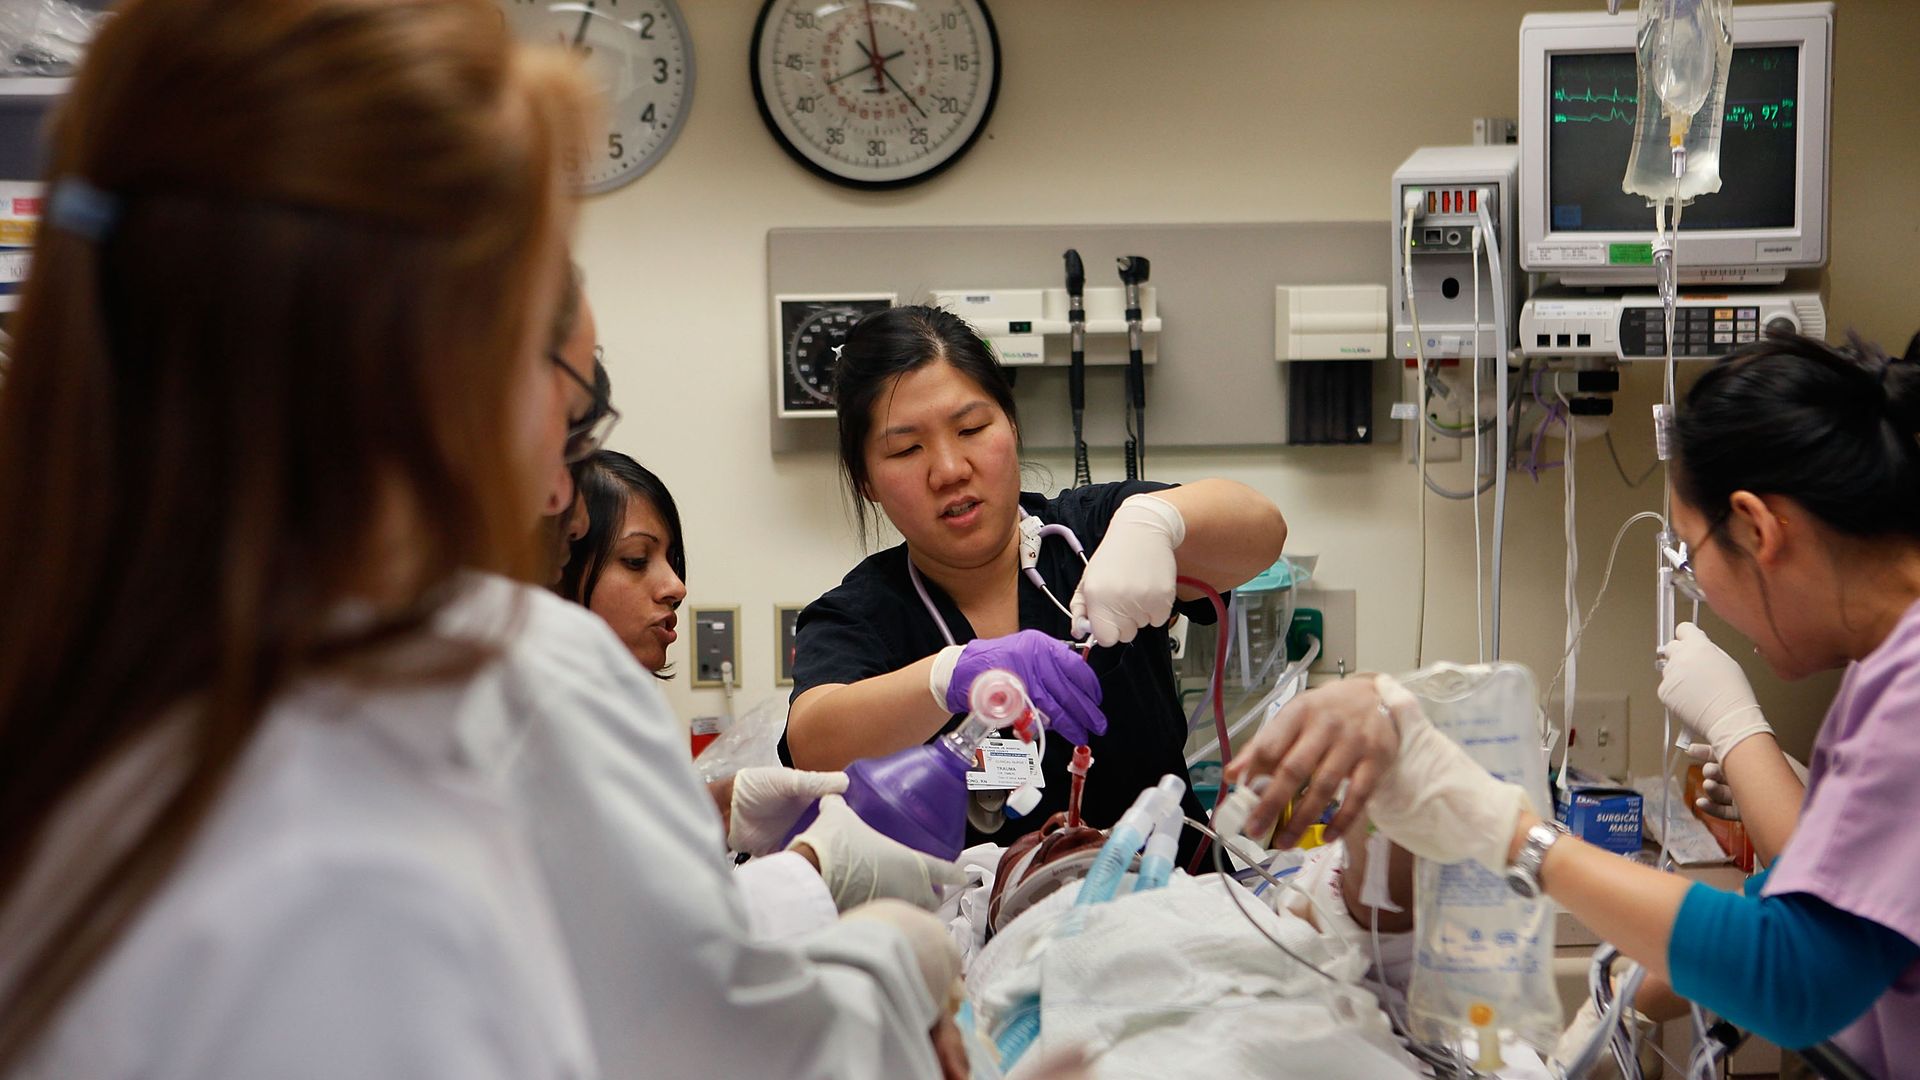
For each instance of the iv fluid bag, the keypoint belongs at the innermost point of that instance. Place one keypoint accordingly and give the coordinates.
(1476, 941)
(1685, 51)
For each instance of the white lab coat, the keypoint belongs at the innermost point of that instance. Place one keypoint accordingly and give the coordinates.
(506, 877)
(362, 902)
(633, 849)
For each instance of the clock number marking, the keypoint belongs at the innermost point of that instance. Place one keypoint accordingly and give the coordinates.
(659, 69)
(646, 26)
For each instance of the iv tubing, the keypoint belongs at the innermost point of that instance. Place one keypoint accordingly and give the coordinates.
(1082, 760)
(1219, 690)
(1479, 566)
(1503, 316)
(1412, 201)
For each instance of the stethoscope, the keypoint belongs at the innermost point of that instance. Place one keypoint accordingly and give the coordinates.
(1033, 533)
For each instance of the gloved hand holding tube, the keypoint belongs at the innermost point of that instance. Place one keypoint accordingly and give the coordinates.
(1061, 685)
(1708, 692)
(1129, 581)
(1716, 794)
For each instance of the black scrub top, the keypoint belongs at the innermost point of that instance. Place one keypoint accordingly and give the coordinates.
(873, 623)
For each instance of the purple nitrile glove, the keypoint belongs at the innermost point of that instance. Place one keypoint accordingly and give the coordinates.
(1063, 687)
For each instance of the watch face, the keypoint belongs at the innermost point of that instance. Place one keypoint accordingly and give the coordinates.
(639, 54)
(875, 94)
(810, 331)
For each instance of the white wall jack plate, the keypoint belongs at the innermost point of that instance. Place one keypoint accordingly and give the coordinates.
(1599, 733)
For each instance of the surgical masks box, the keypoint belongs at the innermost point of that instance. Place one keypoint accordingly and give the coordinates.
(1606, 817)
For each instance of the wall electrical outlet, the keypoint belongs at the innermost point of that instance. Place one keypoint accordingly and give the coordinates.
(716, 642)
(786, 620)
(1339, 636)
(1599, 733)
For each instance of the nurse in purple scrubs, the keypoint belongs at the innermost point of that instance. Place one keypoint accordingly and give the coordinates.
(1797, 492)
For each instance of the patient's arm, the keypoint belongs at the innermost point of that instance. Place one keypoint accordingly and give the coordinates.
(1399, 888)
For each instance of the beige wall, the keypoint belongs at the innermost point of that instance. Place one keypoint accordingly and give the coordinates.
(1204, 110)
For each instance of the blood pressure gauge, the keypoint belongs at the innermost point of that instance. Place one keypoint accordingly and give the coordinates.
(639, 53)
(807, 332)
(875, 93)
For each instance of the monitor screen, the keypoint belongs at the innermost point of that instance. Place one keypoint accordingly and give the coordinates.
(1592, 103)
(23, 137)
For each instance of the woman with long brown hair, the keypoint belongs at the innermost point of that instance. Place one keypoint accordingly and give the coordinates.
(293, 780)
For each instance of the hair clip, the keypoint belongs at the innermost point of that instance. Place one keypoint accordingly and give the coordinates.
(82, 209)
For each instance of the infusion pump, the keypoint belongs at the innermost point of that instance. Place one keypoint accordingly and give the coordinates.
(1633, 326)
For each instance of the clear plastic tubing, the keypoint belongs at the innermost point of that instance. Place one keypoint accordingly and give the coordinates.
(1082, 761)
(1127, 836)
(1156, 866)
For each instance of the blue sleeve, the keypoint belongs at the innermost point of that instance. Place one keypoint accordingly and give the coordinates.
(1792, 969)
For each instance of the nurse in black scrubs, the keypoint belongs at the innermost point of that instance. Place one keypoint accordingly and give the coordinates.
(928, 433)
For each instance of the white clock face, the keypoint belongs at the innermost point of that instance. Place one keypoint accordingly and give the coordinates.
(639, 54)
(875, 93)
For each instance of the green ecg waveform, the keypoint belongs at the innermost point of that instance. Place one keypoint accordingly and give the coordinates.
(1746, 116)
(1613, 98)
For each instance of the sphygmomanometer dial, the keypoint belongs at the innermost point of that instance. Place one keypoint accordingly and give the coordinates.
(811, 331)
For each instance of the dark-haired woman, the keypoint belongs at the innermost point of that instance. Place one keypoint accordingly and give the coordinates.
(1797, 492)
(629, 566)
(928, 433)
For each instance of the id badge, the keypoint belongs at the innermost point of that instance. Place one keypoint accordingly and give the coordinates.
(1004, 764)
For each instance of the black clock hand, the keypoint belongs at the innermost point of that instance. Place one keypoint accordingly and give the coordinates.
(865, 66)
(904, 94)
(586, 16)
(873, 39)
(878, 64)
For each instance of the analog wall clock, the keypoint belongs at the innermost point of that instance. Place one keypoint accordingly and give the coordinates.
(875, 93)
(639, 53)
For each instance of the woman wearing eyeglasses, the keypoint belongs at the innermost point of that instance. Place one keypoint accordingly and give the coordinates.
(295, 781)
(586, 391)
(1797, 493)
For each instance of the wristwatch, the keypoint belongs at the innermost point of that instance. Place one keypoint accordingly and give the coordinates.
(1523, 876)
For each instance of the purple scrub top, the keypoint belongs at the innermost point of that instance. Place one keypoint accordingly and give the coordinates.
(1857, 845)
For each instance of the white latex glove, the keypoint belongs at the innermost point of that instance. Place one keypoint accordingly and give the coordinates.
(859, 864)
(933, 948)
(1581, 1030)
(1129, 580)
(767, 800)
(1436, 801)
(1708, 692)
(1716, 795)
